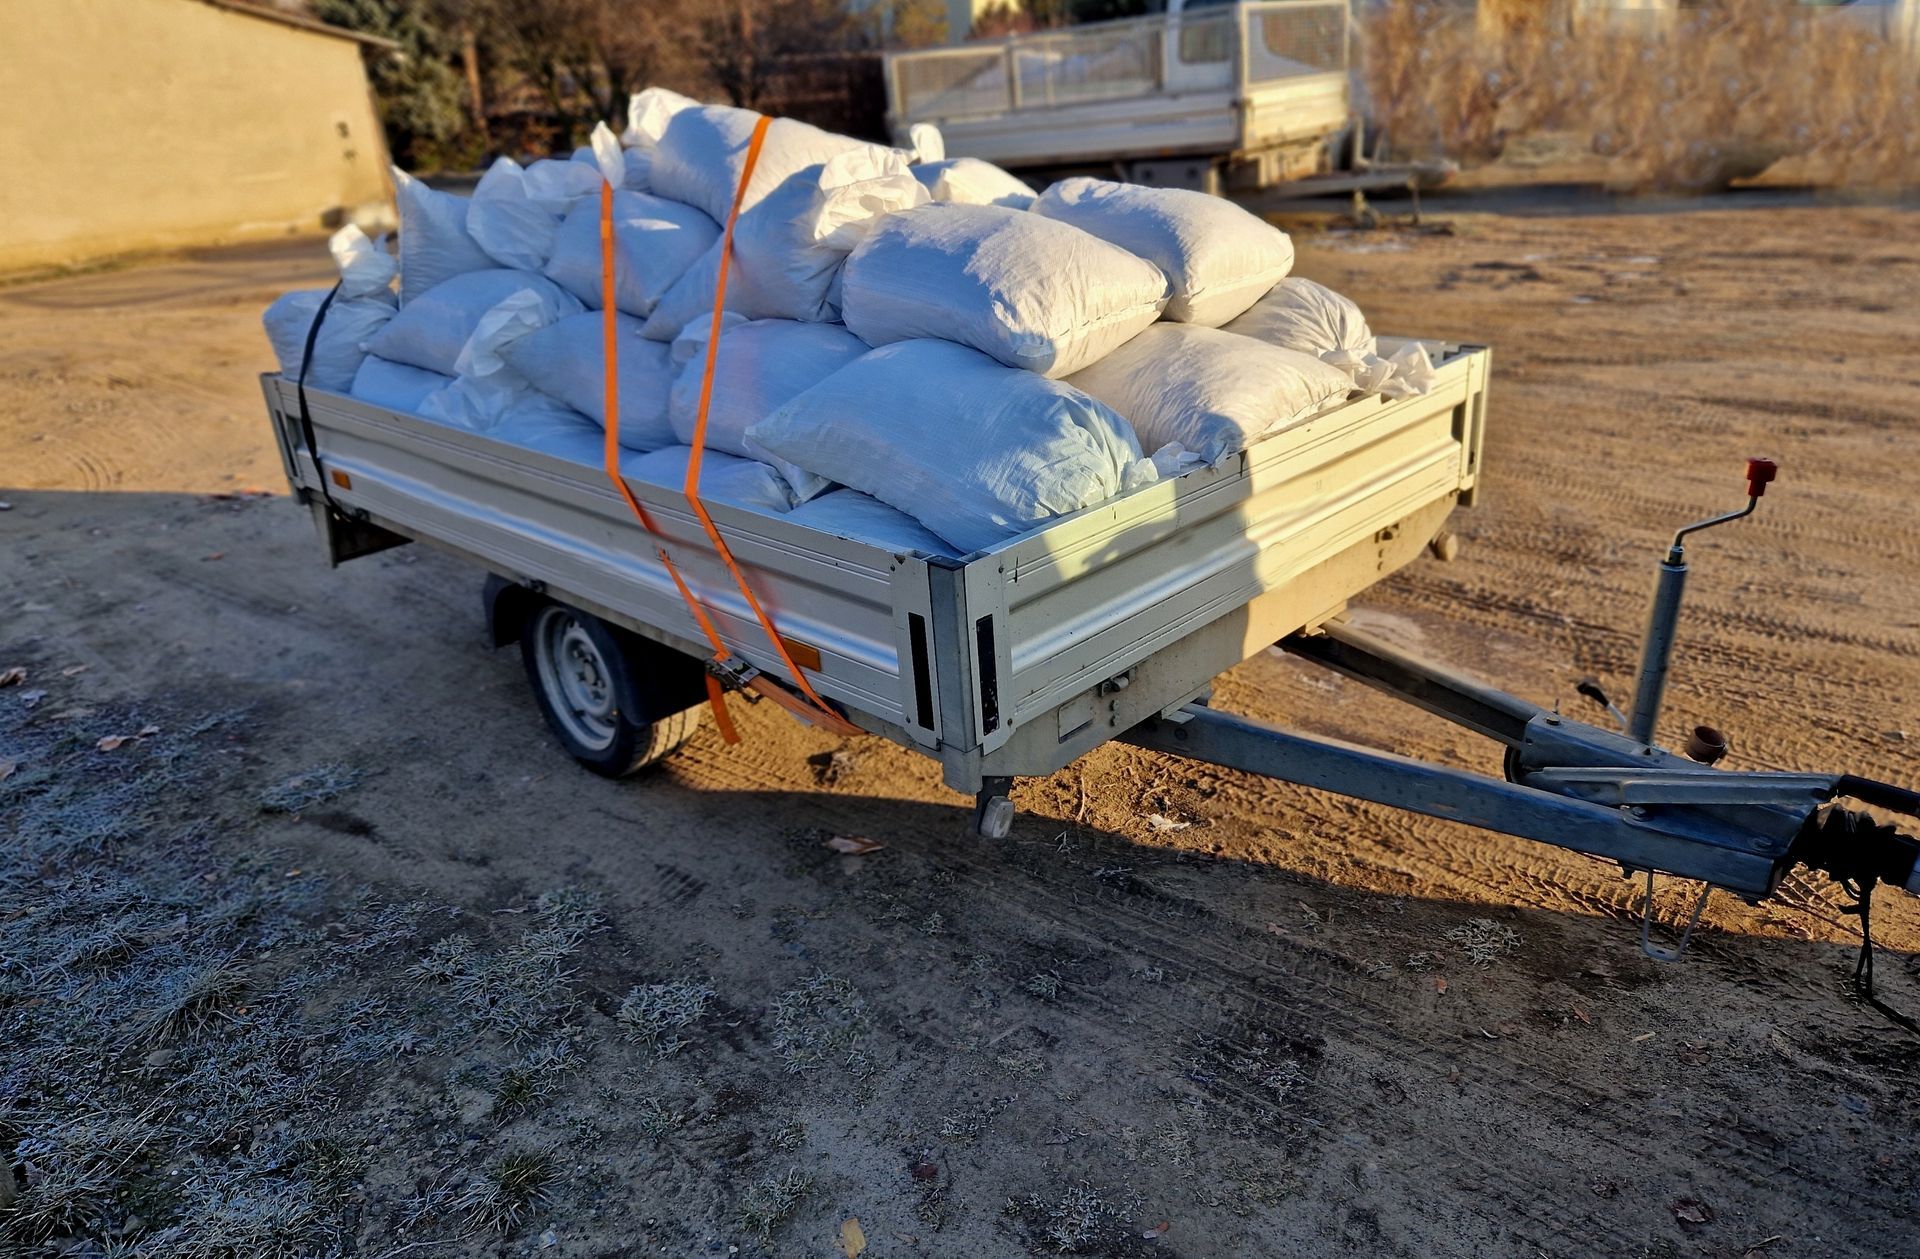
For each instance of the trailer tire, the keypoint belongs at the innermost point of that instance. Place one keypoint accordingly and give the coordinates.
(587, 682)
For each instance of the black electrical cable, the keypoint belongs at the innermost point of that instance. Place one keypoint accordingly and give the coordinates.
(1862, 892)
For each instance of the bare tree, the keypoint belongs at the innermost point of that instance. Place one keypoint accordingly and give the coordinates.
(583, 57)
(743, 42)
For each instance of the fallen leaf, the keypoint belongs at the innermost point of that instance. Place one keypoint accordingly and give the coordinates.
(1275, 929)
(924, 1170)
(1580, 1014)
(1161, 822)
(854, 845)
(7, 766)
(217, 555)
(112, 742)
(831, 767)
(1691, 1211)
(1158, 1230)
(73, 671)
(1642, 1036)
(1440, 983)
(12, 676)
(147, 732)
(853, 1238)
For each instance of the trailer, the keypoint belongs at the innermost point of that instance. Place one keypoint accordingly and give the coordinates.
(1107, 624)
(1219, 95)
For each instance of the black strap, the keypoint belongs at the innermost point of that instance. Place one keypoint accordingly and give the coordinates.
(300, 390)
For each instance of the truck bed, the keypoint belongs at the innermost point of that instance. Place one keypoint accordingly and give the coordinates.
(1010, 661)
(1225, 123)
(1226, 82)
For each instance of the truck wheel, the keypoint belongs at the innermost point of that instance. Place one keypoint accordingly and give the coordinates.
(585, 682)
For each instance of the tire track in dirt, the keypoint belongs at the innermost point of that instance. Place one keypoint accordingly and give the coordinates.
(1062, 908)
(1332, 1015)
(1345, 1005)
(1064, 912)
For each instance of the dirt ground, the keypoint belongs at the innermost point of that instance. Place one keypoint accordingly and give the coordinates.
(402, 978)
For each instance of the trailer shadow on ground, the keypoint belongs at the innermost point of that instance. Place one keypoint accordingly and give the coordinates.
(311, 930)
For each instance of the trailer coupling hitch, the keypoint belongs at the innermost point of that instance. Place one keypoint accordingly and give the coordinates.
(1859, 852)
(1851, 846)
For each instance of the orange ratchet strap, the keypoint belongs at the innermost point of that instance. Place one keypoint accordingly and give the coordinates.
(813, 709)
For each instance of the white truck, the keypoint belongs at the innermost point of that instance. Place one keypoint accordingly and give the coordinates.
(1211, 94)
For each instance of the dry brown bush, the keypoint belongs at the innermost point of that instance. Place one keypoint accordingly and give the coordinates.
(1686, 98)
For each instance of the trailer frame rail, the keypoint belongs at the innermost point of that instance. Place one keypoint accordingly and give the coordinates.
(1567, 783)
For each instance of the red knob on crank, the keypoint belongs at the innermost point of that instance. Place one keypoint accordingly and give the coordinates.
(1759, 473)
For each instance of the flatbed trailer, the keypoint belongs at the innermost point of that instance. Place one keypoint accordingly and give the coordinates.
(1107, 624)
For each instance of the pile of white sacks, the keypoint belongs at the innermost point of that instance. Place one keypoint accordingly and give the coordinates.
(916, 352)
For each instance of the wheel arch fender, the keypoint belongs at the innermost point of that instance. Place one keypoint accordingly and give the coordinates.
(509, 606)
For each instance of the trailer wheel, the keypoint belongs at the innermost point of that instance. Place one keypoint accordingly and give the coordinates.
(585, 681)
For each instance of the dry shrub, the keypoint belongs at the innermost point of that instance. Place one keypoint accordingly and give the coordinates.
(1682, 98)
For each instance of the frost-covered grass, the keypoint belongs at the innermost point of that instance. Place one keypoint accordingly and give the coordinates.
(769, 1202)
(656, 1015)
(214, 1052)
(192, 1025)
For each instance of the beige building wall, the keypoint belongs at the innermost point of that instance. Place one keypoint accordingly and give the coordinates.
(139, 124)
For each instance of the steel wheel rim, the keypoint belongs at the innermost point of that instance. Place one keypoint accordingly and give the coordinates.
(575, 677)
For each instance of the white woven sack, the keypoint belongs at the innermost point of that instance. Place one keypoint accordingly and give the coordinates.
(690, 301)
(925, 143)
(635, 165)
(654, 242)
(648, 113)
(538, 422)
(567, 360)
(470, 316)
(476, 403)
(970, 181)
(724, 478)
(506, 221)
(1031, 292)
(366, 268)
(788, 250)
(340, 346)
(975, 451)
(434, 245)
(864, 518)
(395, 386)
(1219, 259)
(760, 366)
(1302, 315)
(1212, 393)
(703, 150)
